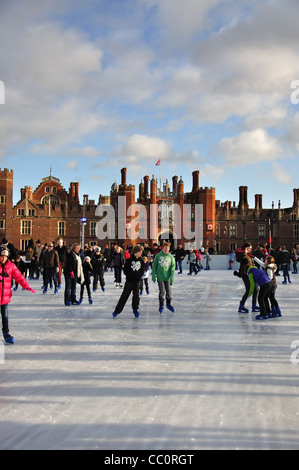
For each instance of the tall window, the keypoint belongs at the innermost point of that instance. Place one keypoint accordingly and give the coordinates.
(61, 228)
(261, 233)
(92, 228)
(233, 231)
(296, 231)
(26, 227)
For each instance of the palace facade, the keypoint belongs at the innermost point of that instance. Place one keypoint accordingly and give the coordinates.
(50, 212)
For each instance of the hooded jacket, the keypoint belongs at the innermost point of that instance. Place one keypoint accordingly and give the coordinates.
(163, 267)
(9, 271)
(134, 269)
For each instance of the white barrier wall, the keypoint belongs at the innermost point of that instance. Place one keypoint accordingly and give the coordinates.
(218, 262)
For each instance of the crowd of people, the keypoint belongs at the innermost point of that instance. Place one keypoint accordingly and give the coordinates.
(86, 267)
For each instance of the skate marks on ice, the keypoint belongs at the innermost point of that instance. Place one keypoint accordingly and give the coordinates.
(202, 378)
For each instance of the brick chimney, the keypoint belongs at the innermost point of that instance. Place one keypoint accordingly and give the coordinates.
(124, 176)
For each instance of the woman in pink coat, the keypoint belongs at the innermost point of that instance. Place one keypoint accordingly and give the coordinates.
(8, 271)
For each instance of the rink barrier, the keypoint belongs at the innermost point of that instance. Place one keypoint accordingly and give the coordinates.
(218, 263)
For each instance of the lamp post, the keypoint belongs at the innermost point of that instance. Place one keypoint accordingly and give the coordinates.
(82, 230)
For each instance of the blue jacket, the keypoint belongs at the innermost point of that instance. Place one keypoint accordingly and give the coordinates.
(259, 276)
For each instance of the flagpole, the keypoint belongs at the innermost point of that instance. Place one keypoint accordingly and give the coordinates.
(160, 177)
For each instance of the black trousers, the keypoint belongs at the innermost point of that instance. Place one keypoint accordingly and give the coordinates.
(82, 290)
(129, 287)
(263, 298)
(4, 314)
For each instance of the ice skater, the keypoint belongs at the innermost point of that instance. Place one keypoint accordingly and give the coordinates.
(98, 267)
(8, 272)
(144, 279)
(192, 260)
(73, 273)
(208, 260)
(245, 258)
(265, 285)
(163, 272)
(133, 270)
(271, 268)
(87, 270)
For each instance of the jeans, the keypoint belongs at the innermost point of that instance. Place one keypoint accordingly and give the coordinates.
(164, 290)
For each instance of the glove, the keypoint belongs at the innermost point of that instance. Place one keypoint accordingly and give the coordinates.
(31, 290)
(72, 275)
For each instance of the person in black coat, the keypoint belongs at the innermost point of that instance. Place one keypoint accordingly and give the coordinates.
(117, 262)
(179, 258)
(62, 252)
(73, 273)
(284, 259)
(98, 266)
(87, 270)
(133, 270)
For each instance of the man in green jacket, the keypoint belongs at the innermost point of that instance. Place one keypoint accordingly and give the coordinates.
(163, 271)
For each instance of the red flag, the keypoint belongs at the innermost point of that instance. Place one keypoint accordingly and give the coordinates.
(158, 162)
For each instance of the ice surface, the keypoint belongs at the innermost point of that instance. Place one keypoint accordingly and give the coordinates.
(204, 377)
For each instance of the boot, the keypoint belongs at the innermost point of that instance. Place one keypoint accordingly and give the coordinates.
(243, 309)
(255, 308)
(8, 338)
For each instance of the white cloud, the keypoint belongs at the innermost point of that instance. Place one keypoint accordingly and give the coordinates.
(73, 165)
(144, 146)
(249, 148)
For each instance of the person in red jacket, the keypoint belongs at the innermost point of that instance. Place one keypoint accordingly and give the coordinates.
(8, 272)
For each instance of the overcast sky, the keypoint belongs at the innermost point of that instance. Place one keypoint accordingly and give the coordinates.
(204, 85)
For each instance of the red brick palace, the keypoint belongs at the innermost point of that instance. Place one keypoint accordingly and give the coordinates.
(50, 211)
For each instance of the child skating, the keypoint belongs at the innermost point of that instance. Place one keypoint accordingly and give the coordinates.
(271, 268)
(133, 270)
(163, 272)
(8, 272)
(87, 270)
(144, 279)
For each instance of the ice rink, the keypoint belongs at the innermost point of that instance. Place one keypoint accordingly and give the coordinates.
(204, 377)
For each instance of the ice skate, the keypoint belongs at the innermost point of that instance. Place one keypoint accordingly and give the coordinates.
(90, 301)
(136, 313)
(170, 307)
(8, 338)
(261, 317)
(255, 308)
(276, 312)
(243, 309)
(161, 309)
(114, 315)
